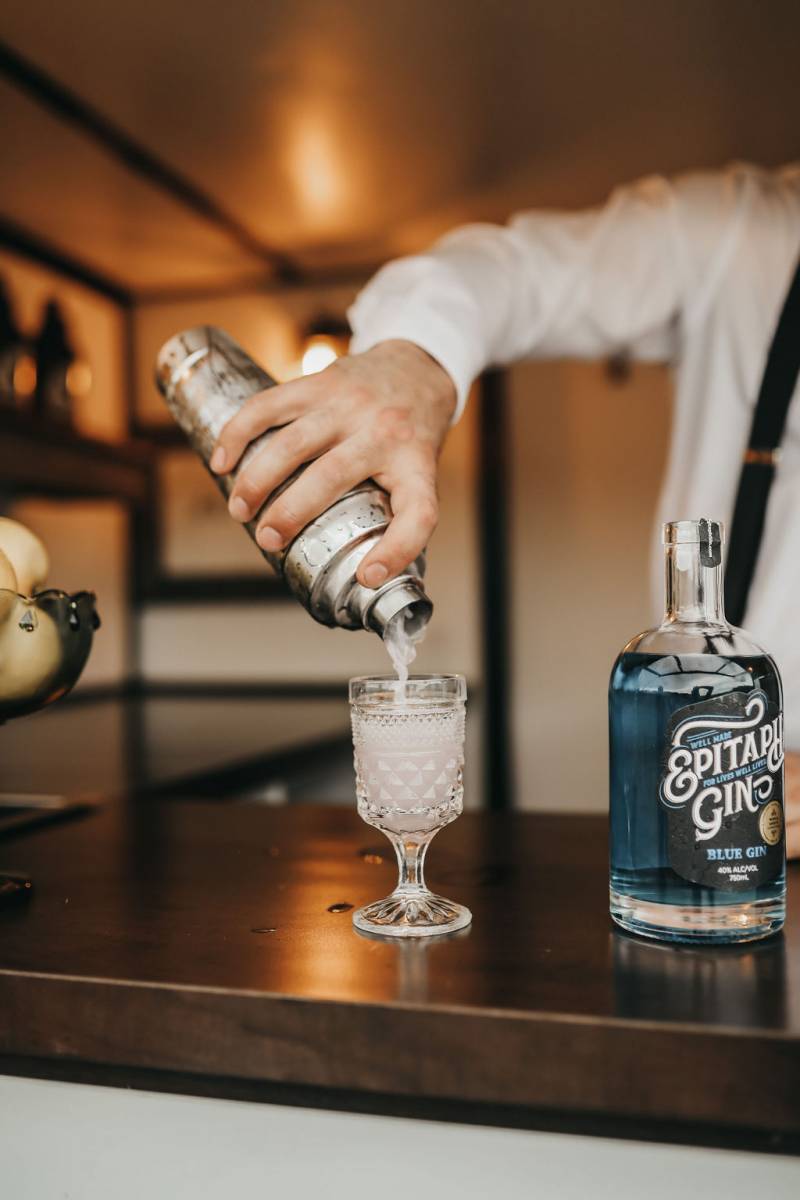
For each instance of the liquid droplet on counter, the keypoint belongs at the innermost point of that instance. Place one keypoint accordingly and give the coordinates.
(339, 908)
(28, 621)
(263, 929)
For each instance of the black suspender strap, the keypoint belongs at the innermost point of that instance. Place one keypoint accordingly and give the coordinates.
(762, 454)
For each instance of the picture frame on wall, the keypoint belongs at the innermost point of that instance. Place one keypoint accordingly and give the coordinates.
(190, 549)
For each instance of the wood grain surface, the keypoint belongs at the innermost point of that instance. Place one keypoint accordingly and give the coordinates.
(195, 939)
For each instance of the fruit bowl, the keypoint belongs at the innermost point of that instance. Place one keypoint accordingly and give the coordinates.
(45, 641)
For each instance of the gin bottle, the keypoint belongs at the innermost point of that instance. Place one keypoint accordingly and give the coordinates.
(696, 737)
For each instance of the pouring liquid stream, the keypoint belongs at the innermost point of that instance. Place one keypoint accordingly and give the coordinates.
(401, 646)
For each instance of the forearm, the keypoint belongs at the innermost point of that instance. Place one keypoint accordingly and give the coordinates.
(554, 284)
(547, 284)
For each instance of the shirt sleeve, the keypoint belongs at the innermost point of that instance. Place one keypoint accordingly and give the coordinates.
(551, 284)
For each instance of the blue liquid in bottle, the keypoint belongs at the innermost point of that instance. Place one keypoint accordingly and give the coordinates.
(698, 689)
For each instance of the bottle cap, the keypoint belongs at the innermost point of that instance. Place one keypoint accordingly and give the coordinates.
(708, 534)
(683, 532)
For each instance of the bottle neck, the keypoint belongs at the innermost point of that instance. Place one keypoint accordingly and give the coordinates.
(695, 593)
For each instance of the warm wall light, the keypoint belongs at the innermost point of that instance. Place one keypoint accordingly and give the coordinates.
(79, 378)
(24, 382)
(316, 168)
(324, 339)
(318, 354)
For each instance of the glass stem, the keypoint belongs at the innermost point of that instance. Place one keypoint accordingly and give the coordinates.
(410, 853)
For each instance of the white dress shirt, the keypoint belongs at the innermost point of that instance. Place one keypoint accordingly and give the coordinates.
(693, 271)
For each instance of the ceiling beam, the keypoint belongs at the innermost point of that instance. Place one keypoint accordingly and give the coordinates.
(331, 277)
(20, 241)
(68, 106)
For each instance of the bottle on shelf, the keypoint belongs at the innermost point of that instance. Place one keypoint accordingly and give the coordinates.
(54, 359)
(697, 844)
(17, 364)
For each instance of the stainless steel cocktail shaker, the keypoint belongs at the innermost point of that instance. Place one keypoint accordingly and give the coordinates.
(205, 377)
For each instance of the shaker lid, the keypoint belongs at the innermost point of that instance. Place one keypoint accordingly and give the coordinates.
(177, 356)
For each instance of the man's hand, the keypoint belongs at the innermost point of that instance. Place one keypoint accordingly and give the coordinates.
(792, 804)
(383, 414)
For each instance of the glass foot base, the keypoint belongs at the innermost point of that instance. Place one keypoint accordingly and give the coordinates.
(414, 915)
(743, 922)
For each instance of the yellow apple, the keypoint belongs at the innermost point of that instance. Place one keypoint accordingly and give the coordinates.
(30, 654)
(26, 554)
(8, 577)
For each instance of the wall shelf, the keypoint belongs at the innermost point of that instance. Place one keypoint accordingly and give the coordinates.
(45, 459)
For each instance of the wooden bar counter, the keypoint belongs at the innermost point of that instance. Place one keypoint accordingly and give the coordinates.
(207, 949)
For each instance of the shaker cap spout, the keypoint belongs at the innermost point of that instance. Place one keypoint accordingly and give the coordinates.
(405, 594)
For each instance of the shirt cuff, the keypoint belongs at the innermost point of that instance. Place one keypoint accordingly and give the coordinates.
(432, 334)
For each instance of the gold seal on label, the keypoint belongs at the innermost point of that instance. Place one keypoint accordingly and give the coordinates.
(770, 823)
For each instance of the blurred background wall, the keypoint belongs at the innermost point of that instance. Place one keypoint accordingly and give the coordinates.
(163, 167)
(586, 450)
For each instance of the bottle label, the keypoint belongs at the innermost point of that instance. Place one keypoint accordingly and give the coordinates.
(722, 787)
